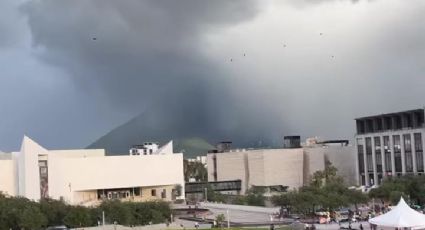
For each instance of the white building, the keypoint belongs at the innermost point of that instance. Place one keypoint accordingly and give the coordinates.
(87, 176)
(390, 145)
(285, 167)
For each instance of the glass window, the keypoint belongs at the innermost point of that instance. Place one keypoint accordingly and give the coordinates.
(378, 155)
(408, 153)
(419, 152)
(360, 154)
(397, 153)
(369, 160)
(387, 153)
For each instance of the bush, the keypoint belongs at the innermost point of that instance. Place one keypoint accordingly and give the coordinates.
(20, 213)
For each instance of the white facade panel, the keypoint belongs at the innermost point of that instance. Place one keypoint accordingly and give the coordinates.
(68, 175)
(7, 177)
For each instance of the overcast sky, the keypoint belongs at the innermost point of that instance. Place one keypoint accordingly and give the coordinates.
(73, 70)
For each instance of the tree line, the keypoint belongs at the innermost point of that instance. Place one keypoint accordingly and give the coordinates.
(326, 191)
(21, 213)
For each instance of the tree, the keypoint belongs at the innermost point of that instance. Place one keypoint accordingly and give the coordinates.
(116, 211)
(195, 170)
(31, 218)
(220, 218)
(78, 216)
(255, 196)
(54, 210)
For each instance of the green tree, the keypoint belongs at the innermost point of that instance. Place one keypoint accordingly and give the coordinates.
(31, 218)
(54, 210)
(255, 196)
(79, 216)
(116, 211)
(195, 170)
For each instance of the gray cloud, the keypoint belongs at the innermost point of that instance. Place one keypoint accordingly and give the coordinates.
(176, 54)
(142, 49)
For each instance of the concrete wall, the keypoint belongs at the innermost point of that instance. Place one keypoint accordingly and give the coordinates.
(78, 153)
(68, 175)
(7, 177)
(314, 160)
(342, 157)
(264, 167)
(284, 167)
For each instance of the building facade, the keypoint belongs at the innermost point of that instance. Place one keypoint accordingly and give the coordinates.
(88, 176)
(389, 145)
(288, 168)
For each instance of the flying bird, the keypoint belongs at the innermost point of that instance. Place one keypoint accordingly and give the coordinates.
(94, 39)
(321, 33)
(231, 59)
(244, 54)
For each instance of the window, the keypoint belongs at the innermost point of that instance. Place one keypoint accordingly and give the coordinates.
(419, 152)
(397, 153)
(408, 153)
(378, 155)
(387, 153)
(360, 154)
(369, 160)
(164, 194)
(150, 151)
(153, 192)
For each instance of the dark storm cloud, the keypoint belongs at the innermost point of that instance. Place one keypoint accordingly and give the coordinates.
(132, 51)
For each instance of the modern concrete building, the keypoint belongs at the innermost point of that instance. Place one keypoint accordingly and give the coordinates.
(389, 145)
(88, 176)
(285, 167)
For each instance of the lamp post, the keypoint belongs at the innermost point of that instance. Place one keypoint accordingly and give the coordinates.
(228, 218)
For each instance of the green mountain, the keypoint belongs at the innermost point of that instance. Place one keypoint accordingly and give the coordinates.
(194, 132)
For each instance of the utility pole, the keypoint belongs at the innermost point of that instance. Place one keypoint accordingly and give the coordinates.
(206, 194)
(103, 218)
(228, 218)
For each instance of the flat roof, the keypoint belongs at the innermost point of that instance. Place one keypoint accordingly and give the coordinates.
(389, 114)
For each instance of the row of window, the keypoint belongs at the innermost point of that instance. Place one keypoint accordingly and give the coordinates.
(383, 150)
(125, 193)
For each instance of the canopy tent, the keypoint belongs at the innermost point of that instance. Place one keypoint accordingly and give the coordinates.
(401, 216)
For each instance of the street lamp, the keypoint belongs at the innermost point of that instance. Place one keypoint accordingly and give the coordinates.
(228, 218)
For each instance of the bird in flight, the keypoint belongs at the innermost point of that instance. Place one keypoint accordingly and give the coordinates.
(94, 39)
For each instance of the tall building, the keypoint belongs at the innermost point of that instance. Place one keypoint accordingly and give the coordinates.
(389, 145)
(88, 176)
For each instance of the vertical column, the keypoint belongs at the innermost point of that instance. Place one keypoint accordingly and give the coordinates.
(358, 177)
(366, 173)
(384, 171)
(413, 151)
(375, 170)
(423, 150)
(392, 155)
(403, 156)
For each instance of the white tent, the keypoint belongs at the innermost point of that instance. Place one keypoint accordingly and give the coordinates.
(401, 216)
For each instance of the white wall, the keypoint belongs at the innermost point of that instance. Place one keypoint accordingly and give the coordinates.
(263, 167)
(284, 167)
(7, 177)
(28, 170)
(78, 153)
(67, 175)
